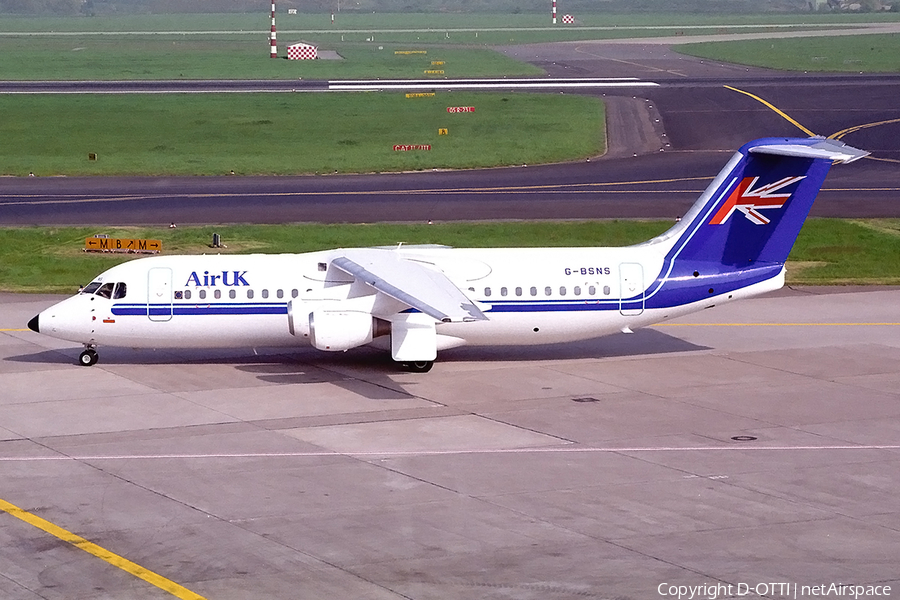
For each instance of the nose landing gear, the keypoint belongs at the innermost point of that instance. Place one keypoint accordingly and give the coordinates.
(89, 357)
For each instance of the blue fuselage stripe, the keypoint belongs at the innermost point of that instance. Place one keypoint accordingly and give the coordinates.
(223, 308)
(667, 293)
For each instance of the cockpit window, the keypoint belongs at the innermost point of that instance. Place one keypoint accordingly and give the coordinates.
(91, 287)
(120, 291)
(105, 290)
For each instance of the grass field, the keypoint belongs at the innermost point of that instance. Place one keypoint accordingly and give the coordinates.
(235, 46)
(118, 57)
(42, 259)
(863, 53)
(838, 251)
(98, 58)
(290, 133)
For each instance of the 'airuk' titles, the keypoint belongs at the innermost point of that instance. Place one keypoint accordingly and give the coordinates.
(226, 278)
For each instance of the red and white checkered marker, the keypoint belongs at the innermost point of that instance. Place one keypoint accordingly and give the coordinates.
(568, 20)
(302, 52)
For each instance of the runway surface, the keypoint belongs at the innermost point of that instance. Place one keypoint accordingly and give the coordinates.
(650, 186)
(753, 443)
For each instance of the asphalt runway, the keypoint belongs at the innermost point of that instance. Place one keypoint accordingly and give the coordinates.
(753, 443)
(657, 185)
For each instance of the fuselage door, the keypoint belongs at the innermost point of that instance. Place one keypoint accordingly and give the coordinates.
(159, 290)
(631, 289)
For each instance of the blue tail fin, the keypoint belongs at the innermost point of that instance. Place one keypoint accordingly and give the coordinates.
(739, 233)
(752, 212)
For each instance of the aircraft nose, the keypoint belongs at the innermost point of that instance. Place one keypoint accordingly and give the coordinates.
(34, 325)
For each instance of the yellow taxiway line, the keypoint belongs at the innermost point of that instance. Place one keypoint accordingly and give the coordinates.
(855, 128)
(835, 136)
(101, 553)
(773, 107)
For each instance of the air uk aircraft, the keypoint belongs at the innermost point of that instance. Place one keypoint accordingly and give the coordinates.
(418, 300)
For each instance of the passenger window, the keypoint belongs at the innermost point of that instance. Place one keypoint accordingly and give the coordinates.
(265, 293)
(249, 294)
(548, 291)
(503, 291)
(202, 294)
(187, 294)
(279, 294)
(577, 290)
(606, 290)
(533, 291)
(120, 291)
(518, 291)
(232, 294)
(562, 290)
(294, 293)
(592, 290)
(106, 290)
(217, 294)
(487, 292)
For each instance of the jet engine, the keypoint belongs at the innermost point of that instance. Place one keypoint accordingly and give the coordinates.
(340, 329)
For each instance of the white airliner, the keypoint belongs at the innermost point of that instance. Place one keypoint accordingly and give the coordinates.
(418, 300)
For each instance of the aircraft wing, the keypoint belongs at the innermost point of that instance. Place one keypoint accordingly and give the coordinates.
(426, 290)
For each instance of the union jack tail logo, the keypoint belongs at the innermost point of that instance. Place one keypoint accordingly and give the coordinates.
(750, 201)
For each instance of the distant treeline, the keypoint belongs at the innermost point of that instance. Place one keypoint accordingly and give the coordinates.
(107, 7)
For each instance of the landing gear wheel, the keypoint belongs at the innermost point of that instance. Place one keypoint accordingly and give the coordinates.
(420, 366)
(88, 358)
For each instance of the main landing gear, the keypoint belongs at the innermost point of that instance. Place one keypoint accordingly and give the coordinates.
(419, 366)
(88, 357)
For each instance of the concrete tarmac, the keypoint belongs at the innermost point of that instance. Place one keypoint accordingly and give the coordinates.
(755, 443)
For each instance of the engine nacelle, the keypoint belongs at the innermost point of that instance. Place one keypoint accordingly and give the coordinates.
(340, 329)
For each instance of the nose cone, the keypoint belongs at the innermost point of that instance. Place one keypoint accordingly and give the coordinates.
(34, 325)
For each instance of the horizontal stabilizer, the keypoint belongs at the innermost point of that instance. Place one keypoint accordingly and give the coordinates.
(419, 287)
(830, 149)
